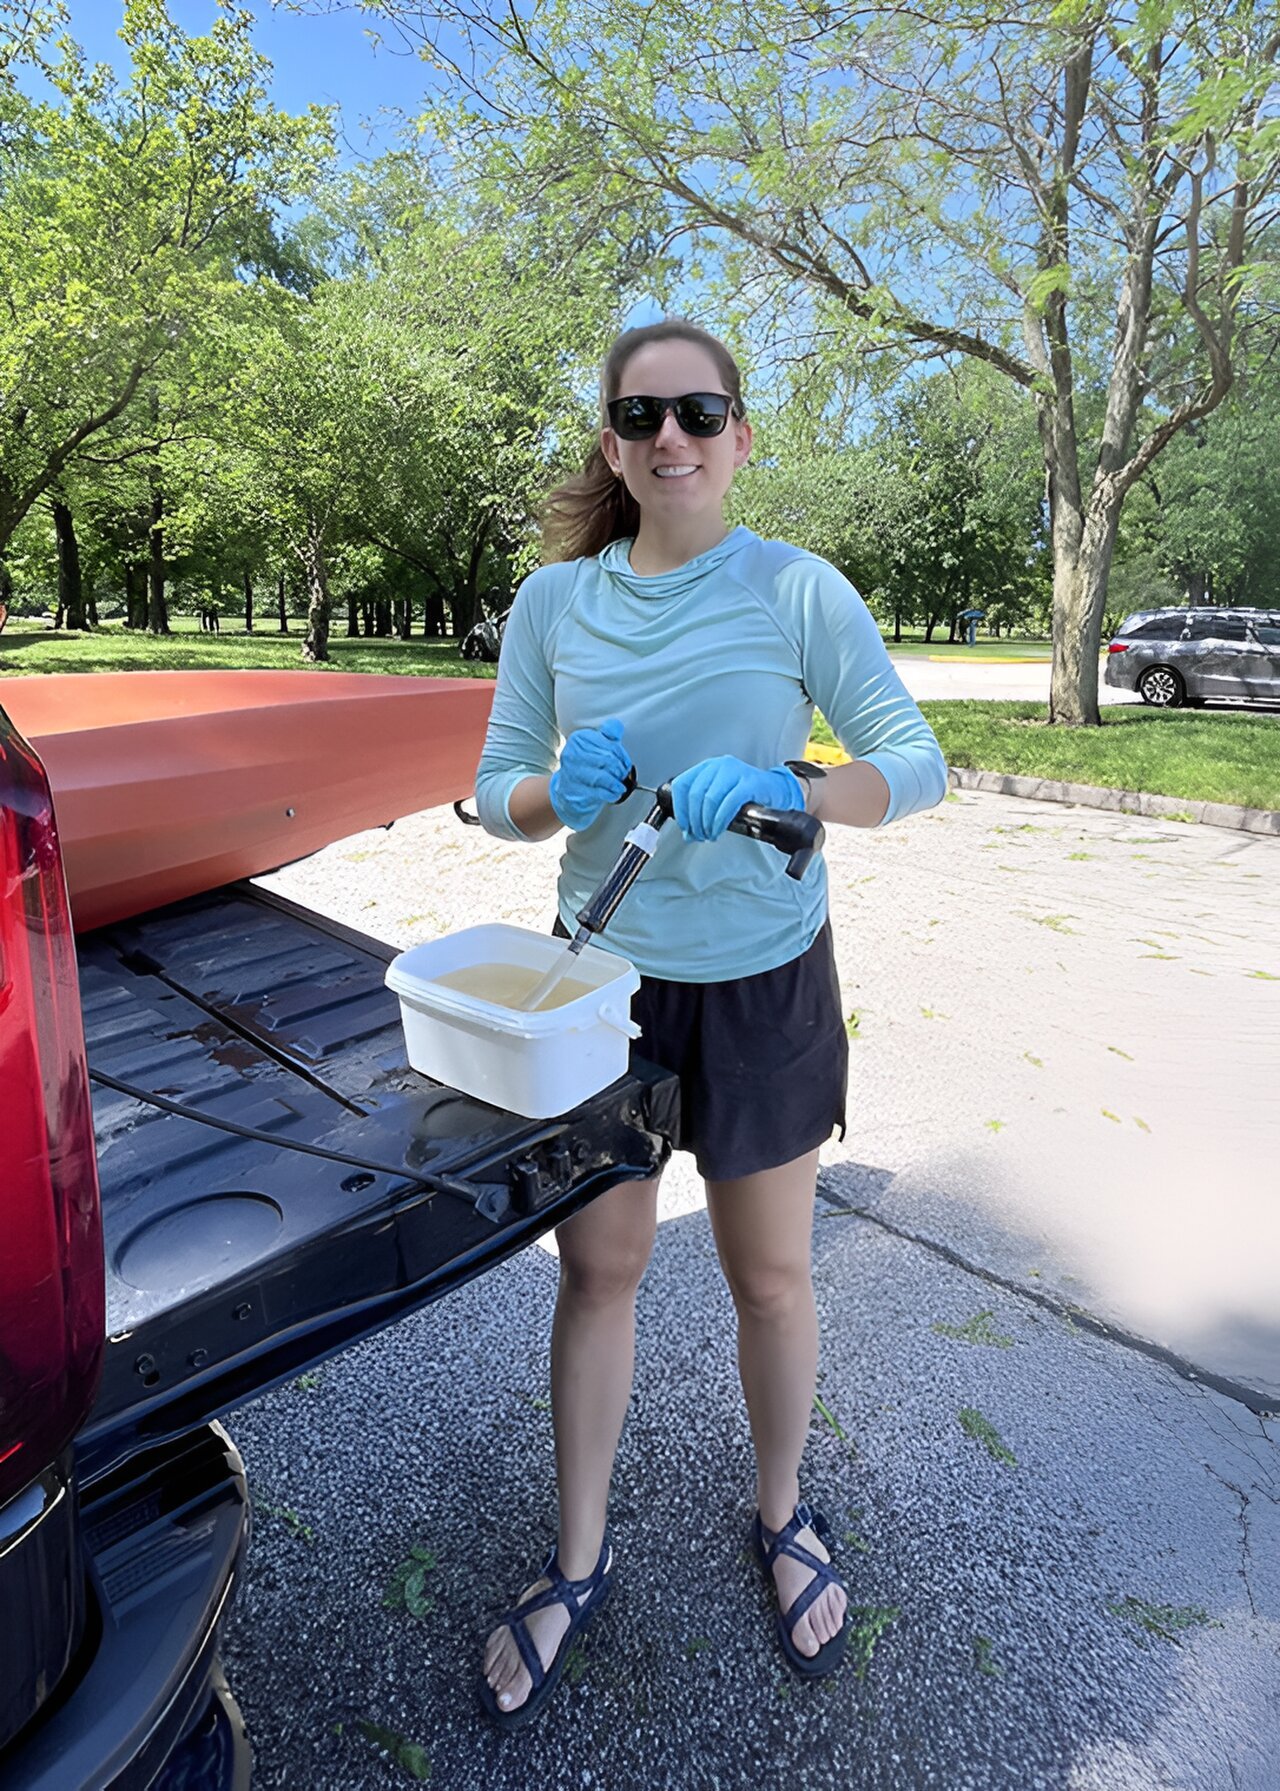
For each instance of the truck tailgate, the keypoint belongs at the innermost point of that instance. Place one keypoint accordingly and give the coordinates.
(289, 1184)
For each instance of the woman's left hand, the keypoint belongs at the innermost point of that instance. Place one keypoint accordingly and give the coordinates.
(706, 797)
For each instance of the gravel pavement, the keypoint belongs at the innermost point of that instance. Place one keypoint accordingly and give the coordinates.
(1046, 1259)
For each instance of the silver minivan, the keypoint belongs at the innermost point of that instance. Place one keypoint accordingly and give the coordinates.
(1174, 656)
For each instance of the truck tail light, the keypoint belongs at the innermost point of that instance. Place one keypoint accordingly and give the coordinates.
(1118, 647)
(52, 1296)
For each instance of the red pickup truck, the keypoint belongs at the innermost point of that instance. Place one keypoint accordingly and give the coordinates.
(216, 1169)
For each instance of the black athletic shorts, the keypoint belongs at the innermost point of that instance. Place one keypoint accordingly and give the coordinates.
(763, 1060)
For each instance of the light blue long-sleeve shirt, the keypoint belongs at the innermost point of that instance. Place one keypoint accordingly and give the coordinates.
(726, 654)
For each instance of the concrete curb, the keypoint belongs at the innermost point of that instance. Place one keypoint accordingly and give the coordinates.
(1128, 802)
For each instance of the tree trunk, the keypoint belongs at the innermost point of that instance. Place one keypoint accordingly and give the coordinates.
(1073, 696)
(366, 610)
(467, 607)
(897, 626)
(353, 619)
(464, 612)
(929, 627)
(280, 602)
(135, 594)
(91, 608)
(433, 617)
(405, 626)
(70, 583)
(1079, 596)
(6, 594)
(382, 617)
(1197, 588)
(248, 602)
(316, 646)
(157, 608)
(956, 601)
(1083, 531)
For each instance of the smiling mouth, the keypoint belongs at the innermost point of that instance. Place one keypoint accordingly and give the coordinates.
(673, 472)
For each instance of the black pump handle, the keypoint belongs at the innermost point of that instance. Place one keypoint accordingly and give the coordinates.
(790, 830)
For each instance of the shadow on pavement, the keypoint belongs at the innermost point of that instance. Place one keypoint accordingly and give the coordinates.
(1041, 1548)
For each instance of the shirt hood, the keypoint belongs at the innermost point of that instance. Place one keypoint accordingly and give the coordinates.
(615, 561)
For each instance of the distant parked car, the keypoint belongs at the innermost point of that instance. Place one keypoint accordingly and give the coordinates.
(485, 640)
(1176, 656)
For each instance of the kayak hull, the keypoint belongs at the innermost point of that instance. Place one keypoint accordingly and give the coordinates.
(169, 783)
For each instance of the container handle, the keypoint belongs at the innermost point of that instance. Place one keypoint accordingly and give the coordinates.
(621, 1022)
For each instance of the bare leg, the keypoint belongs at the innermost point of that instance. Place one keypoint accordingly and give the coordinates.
(604, 1250)
(763, 1228)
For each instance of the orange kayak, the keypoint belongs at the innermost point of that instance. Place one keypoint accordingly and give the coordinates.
(168, 783)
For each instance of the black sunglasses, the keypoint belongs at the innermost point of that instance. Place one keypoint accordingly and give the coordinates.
(697, 413)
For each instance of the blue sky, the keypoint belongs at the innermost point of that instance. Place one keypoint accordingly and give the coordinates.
(316, 60)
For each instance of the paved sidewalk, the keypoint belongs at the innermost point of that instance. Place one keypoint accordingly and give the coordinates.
(956, 677)
(1064, 1551)
(1072, 1022)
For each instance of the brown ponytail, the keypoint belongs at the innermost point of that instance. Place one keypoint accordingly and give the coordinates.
(592, 508)
(588, 511)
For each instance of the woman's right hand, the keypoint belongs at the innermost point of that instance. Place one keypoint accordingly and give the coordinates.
(592, 774)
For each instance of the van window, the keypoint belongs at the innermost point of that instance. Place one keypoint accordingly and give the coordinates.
(1156, 628)
(1218, 628)
(1268, 631)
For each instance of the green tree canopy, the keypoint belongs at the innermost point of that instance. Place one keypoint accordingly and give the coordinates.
(134, 216)
(1073, 195)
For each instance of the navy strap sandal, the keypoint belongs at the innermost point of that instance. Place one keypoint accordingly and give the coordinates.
(768, 1547)
(595, 1587)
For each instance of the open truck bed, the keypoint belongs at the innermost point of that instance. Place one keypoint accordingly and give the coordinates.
(237, 1256)
(275, 1184)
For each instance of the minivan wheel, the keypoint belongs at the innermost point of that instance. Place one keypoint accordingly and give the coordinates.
(1162, 688)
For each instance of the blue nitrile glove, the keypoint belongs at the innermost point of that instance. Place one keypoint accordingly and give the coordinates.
(593, 767)
(706, 797)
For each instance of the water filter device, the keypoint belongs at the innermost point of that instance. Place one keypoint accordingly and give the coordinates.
(792, 831)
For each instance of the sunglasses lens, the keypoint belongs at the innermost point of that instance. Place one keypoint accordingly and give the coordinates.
(634, 418)
(702, 413)
(697, 413)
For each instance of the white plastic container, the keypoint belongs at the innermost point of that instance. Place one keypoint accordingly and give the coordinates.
(536, 1064)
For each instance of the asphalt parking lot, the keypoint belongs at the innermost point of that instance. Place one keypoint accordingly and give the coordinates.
(1046, 1262)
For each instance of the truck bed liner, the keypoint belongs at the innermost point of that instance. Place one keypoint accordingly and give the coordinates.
(231, 1260)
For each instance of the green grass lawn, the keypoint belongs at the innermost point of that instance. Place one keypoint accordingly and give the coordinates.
(113, 648)
(110, 649)
(1212, 755)
(1227, 755)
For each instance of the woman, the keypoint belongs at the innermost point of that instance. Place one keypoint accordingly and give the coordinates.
(665, 641)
